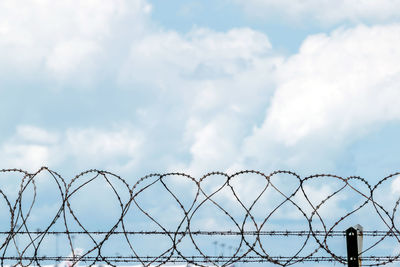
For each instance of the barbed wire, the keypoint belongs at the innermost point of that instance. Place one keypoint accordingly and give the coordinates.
(213, 233)
(251, 247)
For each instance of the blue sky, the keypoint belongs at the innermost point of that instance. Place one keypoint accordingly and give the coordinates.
(197, 85)
(141, 86)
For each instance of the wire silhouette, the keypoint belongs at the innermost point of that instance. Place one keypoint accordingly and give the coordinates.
(249, 249)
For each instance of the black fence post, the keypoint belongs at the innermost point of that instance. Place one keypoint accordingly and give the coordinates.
(354, 245)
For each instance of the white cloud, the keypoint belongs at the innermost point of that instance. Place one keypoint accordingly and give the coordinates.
(64, 36)
(32, 147)
(201, 54)
(338, 87)
(27, 157)
(96, 146)
(65, 57)
(215, 78)
(216, 84)
(325, 11)
(213, 144)
(34, 134)
(395, 186)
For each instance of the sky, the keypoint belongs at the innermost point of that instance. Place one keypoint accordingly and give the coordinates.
(142, 86)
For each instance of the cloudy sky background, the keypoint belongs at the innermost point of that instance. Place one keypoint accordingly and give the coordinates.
(143, 86)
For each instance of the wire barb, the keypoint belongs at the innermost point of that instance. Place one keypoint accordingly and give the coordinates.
(252, 246)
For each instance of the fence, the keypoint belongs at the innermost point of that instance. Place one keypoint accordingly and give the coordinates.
(22, 241)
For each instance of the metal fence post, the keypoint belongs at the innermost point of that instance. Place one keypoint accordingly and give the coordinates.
(354, 245)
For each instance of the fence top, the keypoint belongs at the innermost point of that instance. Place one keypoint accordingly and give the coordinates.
(248, 210)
